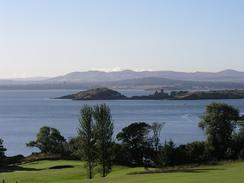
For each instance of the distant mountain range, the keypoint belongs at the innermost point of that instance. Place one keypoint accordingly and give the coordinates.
(227, 79)
(95, 76)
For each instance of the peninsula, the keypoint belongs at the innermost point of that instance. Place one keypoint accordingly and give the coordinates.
(109, 94)
(201, 95)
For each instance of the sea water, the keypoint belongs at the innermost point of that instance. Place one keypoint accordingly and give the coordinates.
(23, 112)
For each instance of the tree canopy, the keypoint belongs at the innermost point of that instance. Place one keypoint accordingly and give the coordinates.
(88, 138)
(104, 132)
(219, 122)
(134, 138)
(48, 140)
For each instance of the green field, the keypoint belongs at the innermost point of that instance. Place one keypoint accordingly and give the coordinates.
(74, 172)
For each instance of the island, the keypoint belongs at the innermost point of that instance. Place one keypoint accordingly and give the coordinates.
(109, 94)
(95, 94)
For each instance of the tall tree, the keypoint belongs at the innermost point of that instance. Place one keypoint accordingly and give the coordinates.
(2, 151)
(87, 136)
(49, 140)
(104, 133)
(219, 122)
(135, 137)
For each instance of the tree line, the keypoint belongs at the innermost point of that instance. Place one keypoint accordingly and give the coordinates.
(139, 143)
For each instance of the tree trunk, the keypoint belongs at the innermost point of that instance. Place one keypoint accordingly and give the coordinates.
(90, 171)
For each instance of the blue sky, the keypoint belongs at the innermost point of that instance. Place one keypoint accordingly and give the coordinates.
(52, 37)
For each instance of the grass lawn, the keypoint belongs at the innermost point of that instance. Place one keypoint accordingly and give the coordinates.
(74, 172)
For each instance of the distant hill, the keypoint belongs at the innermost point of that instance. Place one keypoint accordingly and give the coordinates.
(97, 76)
(140, 83)
(227, 79)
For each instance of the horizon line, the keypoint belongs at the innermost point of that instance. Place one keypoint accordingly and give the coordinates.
(110, 71)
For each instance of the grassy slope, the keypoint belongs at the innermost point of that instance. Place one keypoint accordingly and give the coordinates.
(38, 172)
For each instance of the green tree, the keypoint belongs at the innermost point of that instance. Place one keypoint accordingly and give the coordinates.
(134, 138)
(74, 147)
(196, 152)
(238, 141)
(219, 122)
(2, 151)
(104, 133)
(49, 140)
(87, 137)
(168, 153)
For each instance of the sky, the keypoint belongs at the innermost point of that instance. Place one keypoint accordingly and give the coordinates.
(55, 37)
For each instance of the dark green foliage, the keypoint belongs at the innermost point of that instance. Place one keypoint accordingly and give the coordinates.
(74, 147)
(140, 141)
(241, 141)
(2, 152)
(104, 132)
(236, 149)
(135, 139)
(120, 155)
(49, 140)
(87, 138)
(2, 149)
(197, 152)
(219, 122)
(94, 142)
(168, 154)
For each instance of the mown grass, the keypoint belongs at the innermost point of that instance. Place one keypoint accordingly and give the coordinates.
(74, 172)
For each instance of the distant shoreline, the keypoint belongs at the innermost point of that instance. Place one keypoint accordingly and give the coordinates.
(109, 94)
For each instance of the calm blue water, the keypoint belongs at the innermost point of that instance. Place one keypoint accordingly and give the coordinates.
(23, 112)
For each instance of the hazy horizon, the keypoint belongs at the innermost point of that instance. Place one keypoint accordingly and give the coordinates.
(109, 71)
(52, 38)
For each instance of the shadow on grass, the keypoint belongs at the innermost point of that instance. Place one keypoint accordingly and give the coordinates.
(60, 167)
(195, 170)
(14, 168)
